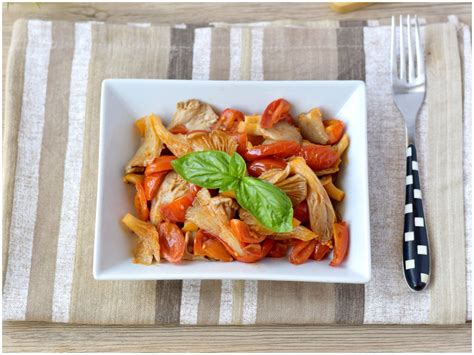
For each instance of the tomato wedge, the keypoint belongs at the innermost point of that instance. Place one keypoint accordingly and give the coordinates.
(241, 139)
(318, 157)
(276, 111)
(320, 251)
(300, 212)
(257, 167)
(152, 183)
(341, 243)
(229, 120)
(172, 242)
(334, 129)
(255, 252)
(141, 204)
(214, 249)
(243, 233)
(278, 250)
(176, 211)
(301, 251)
(280, 149)
(179, 129)
(160, 164)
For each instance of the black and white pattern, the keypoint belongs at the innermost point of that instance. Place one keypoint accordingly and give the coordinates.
(416, 255)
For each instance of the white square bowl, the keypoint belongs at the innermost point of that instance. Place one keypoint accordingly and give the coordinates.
(125, 100)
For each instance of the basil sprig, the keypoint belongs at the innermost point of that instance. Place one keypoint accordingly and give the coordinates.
(217, 170)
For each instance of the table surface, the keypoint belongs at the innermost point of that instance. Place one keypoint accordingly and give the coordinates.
(37, 336)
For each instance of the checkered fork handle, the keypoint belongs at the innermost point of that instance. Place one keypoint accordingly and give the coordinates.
(416, 251)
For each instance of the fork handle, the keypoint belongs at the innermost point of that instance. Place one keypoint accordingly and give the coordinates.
(416, 251)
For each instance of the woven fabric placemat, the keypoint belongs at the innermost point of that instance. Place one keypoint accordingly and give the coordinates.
(51, 134)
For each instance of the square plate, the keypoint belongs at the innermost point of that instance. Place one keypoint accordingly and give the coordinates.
(125, 100)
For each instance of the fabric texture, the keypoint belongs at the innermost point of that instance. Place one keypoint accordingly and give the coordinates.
(51, 136)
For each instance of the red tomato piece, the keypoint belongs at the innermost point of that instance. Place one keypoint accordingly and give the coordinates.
(152, 183)
(257, 167)
(241, 139)
(276, 111)
(229, 120)
(172, 242)
(141, 204)
(334, 129)
(160, 164)
(255, 252)
(341, 243)
(320, 251)
(214, 249)
(300, 212)
(278, 250)
(301, 251)
(179, 129)
(280, 149)
(176, 211)
(318, 157)
(243, 233)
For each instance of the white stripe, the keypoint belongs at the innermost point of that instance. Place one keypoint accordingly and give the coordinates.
(414, 165)
(72, 174)
(424, 278)
(225, 313)
(235, 53)
(409, 180)
(202, 53)
(419, 222)
(422, 250)
(409, 236)
(25, 195)
(417, 193)
(139, 24)
(409, 208)
(188, 312)
(409, 152)
(250, 302)
(409, 264)
(256, 70)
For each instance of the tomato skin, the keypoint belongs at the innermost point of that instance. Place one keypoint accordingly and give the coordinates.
(141, 204)
(241, 139)
(160, 164)
(341, 243)
(255, 252)
(334, 129)
(320, 251)
(229, 120)
(206, 244)
(280, 149)
(243, 233)
(301, 251)
(172, 242)
(175, 211)
(276, 111)
(318, 157)
(300, 212)
(278, 250)
(152, 183)
(179, 129)
(257, 167)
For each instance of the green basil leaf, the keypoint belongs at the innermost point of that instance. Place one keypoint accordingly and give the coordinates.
(267, 203)
(209, 169)
(237, 167)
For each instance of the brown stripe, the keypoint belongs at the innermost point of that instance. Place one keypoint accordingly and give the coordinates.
(352, 23)
(220, 55)
(51, 173)
(351, 66)
(137, 53)
(445, 197)
(300, 54)
(168, 301)
(15, 72)
(209, 302)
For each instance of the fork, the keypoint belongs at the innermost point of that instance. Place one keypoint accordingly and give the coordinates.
(408, 88)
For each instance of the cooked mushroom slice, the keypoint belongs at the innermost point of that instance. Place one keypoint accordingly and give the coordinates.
(194, 115)
(333, 169)
(189, 242)
(215, 140)
(294, 187)
(229, 205)
(321, 212)
(212, 218)
(342, 145)
(147, 234)
(312, 127)
(148, 151)
(133, 178)
(281, 131)
(172, 188)
(275, 176)
(298, 232)
(142, 253)
(176, 143)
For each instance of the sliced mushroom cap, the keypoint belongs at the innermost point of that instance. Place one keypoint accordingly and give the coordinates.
(142, 253)
(294, 187)
(229, 205)
(321, 212)
(172, 188)
(213, 218)
(215, 140)
(147, 234)
(312, 128)
(281, 131)
(149, 150)
(176, 143)
(194, 115)
(274, 176)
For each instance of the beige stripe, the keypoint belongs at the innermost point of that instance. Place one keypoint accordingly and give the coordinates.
(209, 300)
(43, 261)
(246, 54)
(138, 53)
(219, 55)
(13, 95)
(445, 194)
(238, 295)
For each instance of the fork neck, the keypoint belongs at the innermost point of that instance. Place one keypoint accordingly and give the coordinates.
(410, 131)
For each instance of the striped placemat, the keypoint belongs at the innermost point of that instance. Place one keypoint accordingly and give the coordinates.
(50, 143)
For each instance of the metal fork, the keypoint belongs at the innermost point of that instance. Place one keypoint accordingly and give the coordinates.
(408, 88)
